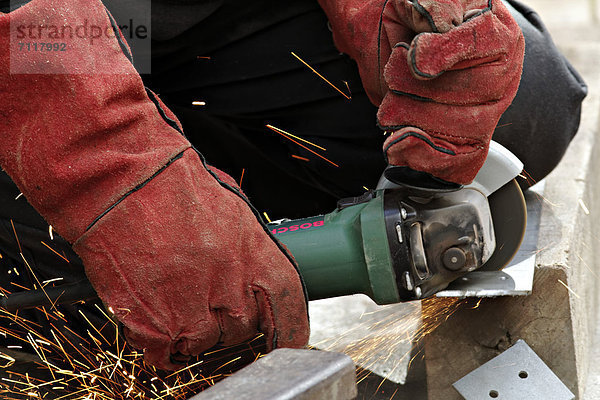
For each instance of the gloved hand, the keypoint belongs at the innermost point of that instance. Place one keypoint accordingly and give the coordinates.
(441, 71)
(173, 247)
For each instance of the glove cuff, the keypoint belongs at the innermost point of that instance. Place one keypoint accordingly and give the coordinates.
(414, 148)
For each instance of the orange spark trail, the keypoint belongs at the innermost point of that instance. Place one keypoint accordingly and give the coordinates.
(303, 146)
(300, 158)
(295, 137)
(16, 237)
(321, 76)
(54, 251)
(242, 177)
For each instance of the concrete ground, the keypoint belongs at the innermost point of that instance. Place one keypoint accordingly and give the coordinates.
(379, 338)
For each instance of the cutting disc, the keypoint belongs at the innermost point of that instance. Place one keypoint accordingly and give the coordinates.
(509, 215)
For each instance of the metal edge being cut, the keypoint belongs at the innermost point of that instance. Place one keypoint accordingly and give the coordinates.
(516, 374)
(289, 374)
(516, 279)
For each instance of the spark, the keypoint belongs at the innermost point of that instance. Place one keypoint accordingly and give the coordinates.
(46, 282)
(50, 229)
(383, 336)
(186, 368)
(19, 286)
(19, 195)
(348, 87)
(92, 325)
(295, 137)
(300, 158)
(242, 177)
(267, 216)
(503, 125)
(321, 76)
(587, 266)
(528, 178)
(55, 252)
(584, 207)
(37, 280)
(569, 289)
(478, 304)
(276, 130)
(9, 360)
(229, 362)
(16, 237)
(198, 103)
(544, 199)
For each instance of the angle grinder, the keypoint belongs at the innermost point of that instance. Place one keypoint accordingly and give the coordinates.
(404, 242)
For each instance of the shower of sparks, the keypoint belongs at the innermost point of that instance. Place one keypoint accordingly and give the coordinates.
(100, 366)
(287, 136)
(322, 77)
(389, 332)
(91, 361)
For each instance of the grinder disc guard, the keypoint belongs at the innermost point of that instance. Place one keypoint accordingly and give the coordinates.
(509, 215)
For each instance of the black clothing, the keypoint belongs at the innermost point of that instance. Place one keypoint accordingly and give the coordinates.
(254, 81)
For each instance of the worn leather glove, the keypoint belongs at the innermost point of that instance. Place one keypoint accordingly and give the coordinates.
(442, 73)
(172, 246)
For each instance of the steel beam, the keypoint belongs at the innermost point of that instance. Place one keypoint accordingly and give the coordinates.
(287, 374)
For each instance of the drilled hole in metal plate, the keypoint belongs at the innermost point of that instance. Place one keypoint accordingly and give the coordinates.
(523, 374)
(493, 394)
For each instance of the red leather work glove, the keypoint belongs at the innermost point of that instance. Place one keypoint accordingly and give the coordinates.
(173, 249)
(442, 73)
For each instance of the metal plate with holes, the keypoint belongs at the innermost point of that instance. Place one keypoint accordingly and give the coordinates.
(516, 374)
(517, 278)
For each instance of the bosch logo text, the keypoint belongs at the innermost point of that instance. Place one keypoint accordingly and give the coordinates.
(293, 228)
